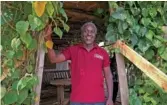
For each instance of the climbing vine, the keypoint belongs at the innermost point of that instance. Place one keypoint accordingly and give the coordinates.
(141, 25)
(22, 26)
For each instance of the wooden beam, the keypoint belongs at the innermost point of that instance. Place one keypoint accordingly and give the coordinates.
(122, 79)
(84, 5)
(78, 16)
(39, 69)
(150, 70)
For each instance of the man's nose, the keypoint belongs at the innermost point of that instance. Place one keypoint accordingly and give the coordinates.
(89, 33)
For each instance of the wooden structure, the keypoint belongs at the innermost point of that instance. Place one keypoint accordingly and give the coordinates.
(80, 12)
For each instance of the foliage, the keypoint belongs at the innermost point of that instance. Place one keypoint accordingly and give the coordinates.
(139, 24)
(22, 23)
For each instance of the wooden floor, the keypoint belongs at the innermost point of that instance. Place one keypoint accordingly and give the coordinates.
(48, 96)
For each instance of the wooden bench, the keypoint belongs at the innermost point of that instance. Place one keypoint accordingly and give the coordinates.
(53, 74)
(60, 79)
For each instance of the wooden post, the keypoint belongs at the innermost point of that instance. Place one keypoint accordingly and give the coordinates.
(39, 70)
(122, 79)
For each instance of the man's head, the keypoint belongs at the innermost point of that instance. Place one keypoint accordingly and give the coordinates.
(88, 33)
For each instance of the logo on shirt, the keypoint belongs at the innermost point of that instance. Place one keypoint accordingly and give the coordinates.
(98, 56)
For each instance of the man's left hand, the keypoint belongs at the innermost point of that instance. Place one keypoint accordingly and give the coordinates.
(109, 102)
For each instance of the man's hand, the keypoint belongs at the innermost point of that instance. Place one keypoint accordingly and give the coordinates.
(48, 32)
(109, 102)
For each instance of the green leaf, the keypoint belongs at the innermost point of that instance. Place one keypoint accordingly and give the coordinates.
(50, 8)
(14, 85)
(143, 45)
(2, 91)
(124, 25)
(23, 94)
(134, 40)
(15, 43)
(27, 101)
(119, 14)
(9, 63)
(154, 24)
(29, 68)
(160, 38)
(66, 27)
(139, 82)
(157, 43)
(19, 54)
(22, 27)
(10, 97)
(161, 50)
(23, 83)
(164, 54)
(145, 12)
(34, 22)
(135, 11)
(143, 31)
(149, 54)
(150, 35)
(136, 29)
(126, 35)
(131, 3)
(153, 12)
(16, 74)
(145, 21)
(58, 31)
(27, 39)
(27, 82)
(130, 20)
(120, 28)
(10, 54)
(112, 4)
(110, 36)
(26, 8)
(33, 45)
(64, 14)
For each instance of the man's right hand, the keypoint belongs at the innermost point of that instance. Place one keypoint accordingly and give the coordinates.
(48, 32)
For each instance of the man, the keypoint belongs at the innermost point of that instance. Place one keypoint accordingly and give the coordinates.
(88, 61)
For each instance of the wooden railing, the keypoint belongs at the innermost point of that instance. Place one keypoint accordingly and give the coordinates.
(145, 66)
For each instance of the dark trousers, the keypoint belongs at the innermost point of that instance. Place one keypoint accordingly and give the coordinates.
(115, 91)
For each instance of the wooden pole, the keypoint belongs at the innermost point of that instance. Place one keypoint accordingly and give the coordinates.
(122, 79)
(39, 70)
(150, 70)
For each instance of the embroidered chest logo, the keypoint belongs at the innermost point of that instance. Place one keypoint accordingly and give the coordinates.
(98, 56)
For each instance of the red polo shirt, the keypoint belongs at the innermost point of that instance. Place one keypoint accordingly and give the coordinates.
(87, 73)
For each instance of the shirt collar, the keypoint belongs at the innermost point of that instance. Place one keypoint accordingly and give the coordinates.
(95, 46)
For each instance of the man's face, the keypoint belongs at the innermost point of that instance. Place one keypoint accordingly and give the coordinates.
(88, 35)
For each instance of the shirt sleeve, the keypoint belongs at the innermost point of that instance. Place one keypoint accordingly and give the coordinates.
(67, 53)
(106, 61)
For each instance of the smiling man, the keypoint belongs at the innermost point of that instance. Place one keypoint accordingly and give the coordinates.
(88, 62)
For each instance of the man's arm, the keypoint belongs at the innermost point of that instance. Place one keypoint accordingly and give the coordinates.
(109, 80)
(53, 57)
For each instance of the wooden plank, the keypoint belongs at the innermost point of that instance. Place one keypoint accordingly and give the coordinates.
(77, 16)
(39, 71)
(122, 79)
(150, 70)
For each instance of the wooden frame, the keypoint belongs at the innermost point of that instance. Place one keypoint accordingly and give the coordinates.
(150, 70)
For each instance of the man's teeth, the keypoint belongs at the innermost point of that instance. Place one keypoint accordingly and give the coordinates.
(88, 38)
